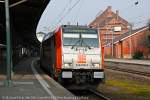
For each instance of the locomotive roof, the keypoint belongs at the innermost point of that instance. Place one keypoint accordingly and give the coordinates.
(47, 36)
(76, 26)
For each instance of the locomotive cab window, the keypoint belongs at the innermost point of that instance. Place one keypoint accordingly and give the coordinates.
(81, 38)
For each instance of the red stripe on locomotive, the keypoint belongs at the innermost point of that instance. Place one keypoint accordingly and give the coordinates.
(58, 42)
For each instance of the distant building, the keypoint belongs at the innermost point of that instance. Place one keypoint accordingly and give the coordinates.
(110, 25)
(127, 44)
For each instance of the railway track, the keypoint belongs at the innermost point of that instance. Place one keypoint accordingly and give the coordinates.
(99, 94)
(128, 71)
(90, 94)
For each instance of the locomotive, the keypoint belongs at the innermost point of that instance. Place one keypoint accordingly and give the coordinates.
(73, 55)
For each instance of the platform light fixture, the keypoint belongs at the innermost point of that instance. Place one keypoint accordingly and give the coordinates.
(2, 1)
(17, 3)
(14, 4)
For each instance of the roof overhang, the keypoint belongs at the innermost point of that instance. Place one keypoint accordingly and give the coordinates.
(24, 17)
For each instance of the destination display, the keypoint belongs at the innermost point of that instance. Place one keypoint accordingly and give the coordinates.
(78, 30)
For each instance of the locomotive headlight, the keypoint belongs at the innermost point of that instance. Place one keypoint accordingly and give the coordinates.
(96, 65)
(66, 65)
(98, 74)
(66, 74)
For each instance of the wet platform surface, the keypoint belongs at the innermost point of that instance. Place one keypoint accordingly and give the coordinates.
(29, 83)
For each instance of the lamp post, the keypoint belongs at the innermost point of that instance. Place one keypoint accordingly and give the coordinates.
(130, 31)
(112, 29)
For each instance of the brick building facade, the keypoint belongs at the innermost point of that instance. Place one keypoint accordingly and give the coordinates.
(126, 45)
(110, 25)
(126, 42)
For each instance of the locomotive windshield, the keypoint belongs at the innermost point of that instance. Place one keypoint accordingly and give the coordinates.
(80, 37)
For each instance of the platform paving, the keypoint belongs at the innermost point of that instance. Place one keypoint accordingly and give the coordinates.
(26, 86)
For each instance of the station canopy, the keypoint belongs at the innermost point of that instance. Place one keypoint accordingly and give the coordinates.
(24, 17)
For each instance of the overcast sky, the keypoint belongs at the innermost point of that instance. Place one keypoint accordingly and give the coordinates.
(60, 12)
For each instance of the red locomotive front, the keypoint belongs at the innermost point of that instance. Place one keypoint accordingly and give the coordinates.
(73, 55)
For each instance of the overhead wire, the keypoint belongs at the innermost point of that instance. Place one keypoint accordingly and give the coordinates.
(63, 13)
(136, 4)
(63, 10)
(69, 10)
(78, 11)
(141, 21)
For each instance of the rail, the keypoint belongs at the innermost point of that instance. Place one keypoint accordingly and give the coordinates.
(99, 94)
(129, 71)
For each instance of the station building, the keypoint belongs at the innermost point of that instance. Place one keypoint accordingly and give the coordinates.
(127, 44)
(118, 38)
(110, 25)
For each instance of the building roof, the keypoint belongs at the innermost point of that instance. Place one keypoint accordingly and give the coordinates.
(105, 18)
(126, 35)
(50, 34)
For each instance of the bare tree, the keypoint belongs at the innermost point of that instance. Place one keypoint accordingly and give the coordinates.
(144, 43)
(149, 35)
(148, 24)
(144, 46)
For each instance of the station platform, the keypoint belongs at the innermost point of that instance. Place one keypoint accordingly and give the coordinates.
(129, 61)
(29, 83)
